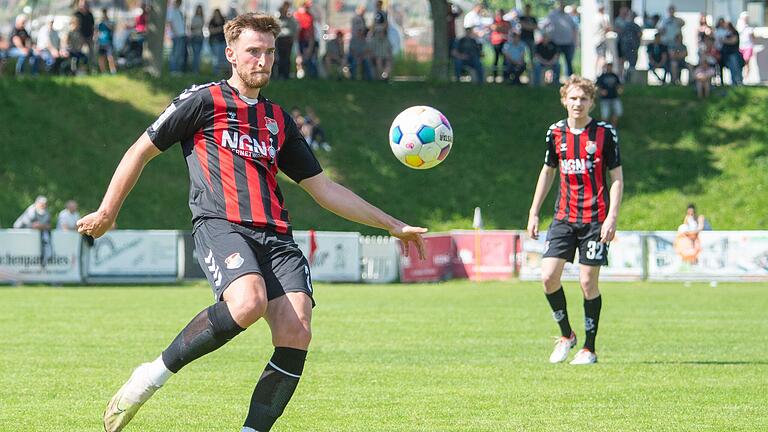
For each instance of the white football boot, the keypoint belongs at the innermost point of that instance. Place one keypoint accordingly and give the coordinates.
(584, 357)
(562, 348)
(127, 401)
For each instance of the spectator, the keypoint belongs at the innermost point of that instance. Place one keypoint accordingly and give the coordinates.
(500, 30)
(21, 46)
(466, 53)
(178, 32)
(702, 75)
(196, 37)
(140, 29)
(454, 12)
(358, 47)
(677, 63)
(3, 54)
(73, 48)
(547, 57)
(670, 27)
(721, 32)
(316, 134)
(87, 27)
(528, 27)
(217, 42)
(687, 245)
(334, 56)
(49, 46)
(730, 54)
(285, 41)
(474, 20)
(67, 219)
(380, 46)
(630, 37)
(563, 33)
(307, 61)
(694, 221)
(106, 34)
(514, 58)
(704, 30)
(746, 40)
(658, 58)
(36, 216)
(601, 35)
(610, 88)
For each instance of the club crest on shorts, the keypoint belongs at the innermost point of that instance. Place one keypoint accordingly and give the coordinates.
(234, 261)
(271, 125)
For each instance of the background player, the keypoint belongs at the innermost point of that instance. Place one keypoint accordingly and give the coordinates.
(586, 210)
(234, 141)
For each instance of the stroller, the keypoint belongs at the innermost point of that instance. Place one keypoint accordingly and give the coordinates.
(130, 56)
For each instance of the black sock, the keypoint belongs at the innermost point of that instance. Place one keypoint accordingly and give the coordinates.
(207, 332)
(560, 311)
(591, 317)
(275, 388)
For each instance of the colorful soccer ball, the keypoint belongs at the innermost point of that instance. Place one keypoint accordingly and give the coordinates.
(421, 137)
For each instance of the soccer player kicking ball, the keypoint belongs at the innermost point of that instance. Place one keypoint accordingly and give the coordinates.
(235, 141)
(587, 207)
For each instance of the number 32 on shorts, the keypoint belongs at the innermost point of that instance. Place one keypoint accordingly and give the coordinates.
(595, 250)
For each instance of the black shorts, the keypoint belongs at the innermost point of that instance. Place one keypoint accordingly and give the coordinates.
(226, 251)
(564, 237)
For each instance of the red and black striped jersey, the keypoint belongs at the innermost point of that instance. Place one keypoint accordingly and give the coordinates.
(584, 158)
(233, 150)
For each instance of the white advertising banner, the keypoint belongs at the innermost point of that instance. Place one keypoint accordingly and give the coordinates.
(709, 255)
(380, 259)
(134, 256)
(625, 258)
(335, 256)
(27, 256)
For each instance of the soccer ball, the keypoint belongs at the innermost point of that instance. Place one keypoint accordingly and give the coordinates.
(421, 137)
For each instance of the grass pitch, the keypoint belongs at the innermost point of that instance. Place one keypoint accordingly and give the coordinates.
(457, 356)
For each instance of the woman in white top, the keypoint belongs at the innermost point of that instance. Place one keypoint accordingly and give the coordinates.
(694, 221)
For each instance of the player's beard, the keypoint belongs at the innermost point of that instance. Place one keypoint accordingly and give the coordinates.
(252, 80)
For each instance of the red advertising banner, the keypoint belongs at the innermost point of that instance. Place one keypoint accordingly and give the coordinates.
(484, 255)
(436, 267)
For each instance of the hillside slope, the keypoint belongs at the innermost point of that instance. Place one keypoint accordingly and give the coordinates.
(64, 137)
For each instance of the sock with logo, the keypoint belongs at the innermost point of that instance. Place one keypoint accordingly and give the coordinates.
(560, 311)
(275, 388)
(591, 317)
(207, 332)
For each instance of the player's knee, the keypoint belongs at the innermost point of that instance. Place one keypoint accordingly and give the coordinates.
(551, 283)
(588, 285)
(248, 309)
(294, 334)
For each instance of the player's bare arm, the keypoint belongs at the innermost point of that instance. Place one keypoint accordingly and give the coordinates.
(543, 185)
(345, 203)
(125, 177)
(608, 230)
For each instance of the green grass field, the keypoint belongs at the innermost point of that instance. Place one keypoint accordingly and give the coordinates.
(458, 356)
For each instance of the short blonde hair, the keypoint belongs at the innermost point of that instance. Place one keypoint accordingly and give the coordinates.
(587, 86)
(250, 21)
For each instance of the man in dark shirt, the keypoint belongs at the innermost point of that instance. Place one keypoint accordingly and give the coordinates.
(87, 26)
(466, 53)
(583, 150)
(20, 46)
(546, 57)
(235, 141)
(658, 58)
(609, 86)
(528, 26)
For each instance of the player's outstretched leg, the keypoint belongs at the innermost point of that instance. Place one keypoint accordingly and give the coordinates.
(289, 318)
(208, 331)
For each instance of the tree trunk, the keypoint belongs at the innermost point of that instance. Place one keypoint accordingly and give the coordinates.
(440, 10)
(153, 54)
